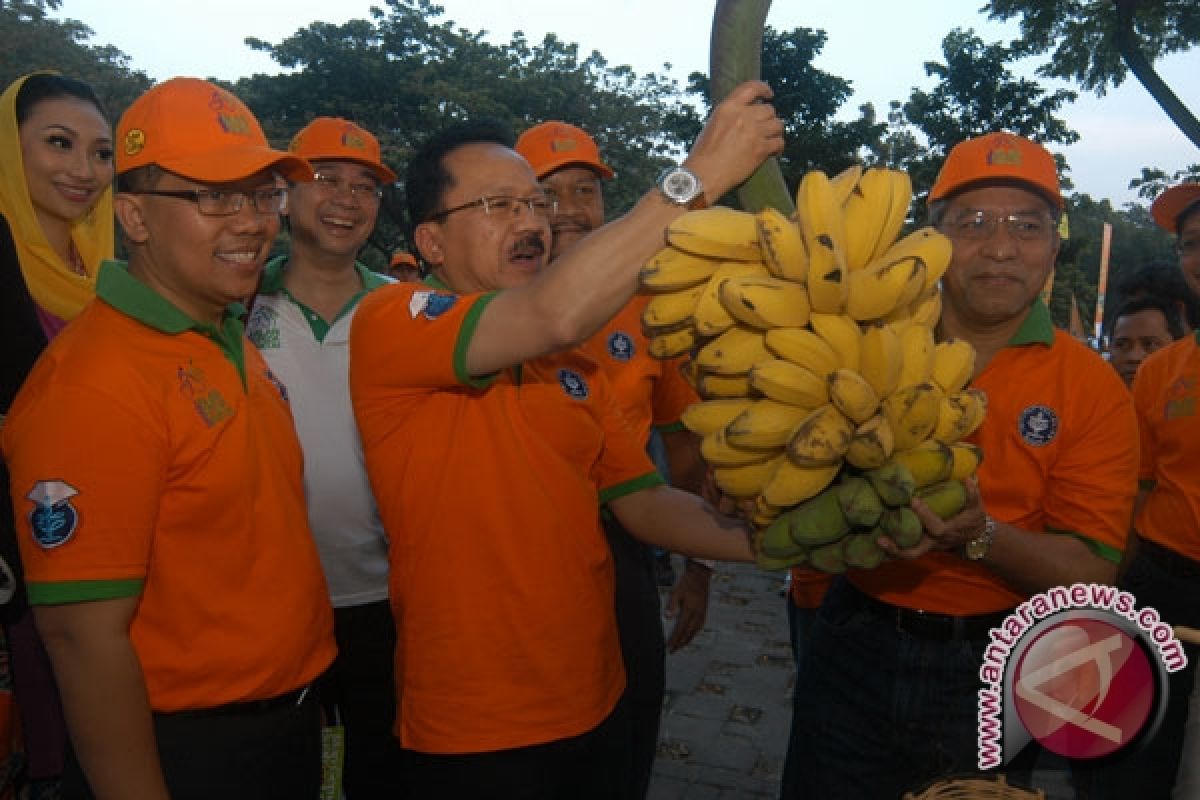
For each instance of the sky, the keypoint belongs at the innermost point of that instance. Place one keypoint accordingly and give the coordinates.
(880, 47)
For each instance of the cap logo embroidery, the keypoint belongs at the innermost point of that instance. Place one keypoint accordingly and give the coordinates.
(53, 519)
(563, 145)
(353, 140)
(135, 141)
(236, 123)
(1004, 155)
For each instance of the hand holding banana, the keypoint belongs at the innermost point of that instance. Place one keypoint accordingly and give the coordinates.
(740, 134)
(829, 407)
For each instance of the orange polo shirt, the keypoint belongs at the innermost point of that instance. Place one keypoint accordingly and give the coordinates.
(1165, 392)
(155, 457)
(651, 392)
(489, 489)
(1060, 455)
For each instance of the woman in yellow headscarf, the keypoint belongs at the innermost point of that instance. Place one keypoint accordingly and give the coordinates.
(56, 226)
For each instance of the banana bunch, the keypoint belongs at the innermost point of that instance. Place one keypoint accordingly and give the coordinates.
(828, 404)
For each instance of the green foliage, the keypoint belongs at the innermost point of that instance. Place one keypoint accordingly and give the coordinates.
(1153, 181)
(33, 40)
(1083, 35)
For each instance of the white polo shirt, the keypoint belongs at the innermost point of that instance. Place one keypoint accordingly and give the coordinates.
(312, 359)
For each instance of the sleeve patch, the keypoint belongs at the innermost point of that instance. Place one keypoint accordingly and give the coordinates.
(430, 304)
(53, 519)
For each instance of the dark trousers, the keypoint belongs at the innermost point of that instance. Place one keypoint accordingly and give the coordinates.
(584, 767)
(1148, 771)
(639, 624)
(359, 691)
(269, 754)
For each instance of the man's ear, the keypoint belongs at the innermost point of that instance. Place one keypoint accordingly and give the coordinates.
(428, 239)
(131, 215)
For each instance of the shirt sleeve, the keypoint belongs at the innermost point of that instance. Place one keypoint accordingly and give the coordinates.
(86, 473)
(1093, 482)
(623, 466)
(672, 395)
(1145, 395)
(413, 336)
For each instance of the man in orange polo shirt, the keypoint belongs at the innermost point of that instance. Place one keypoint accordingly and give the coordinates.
(491, 445)
(653, 395)
(1165, 571)
(157, 478)
(892, 678)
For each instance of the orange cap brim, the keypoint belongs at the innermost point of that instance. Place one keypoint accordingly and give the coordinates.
(235, 164)
(1169, 205)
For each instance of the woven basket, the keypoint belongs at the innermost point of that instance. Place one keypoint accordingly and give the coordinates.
(976, 789)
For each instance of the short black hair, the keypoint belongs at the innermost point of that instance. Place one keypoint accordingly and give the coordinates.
(44, 86)
(427, 180)
(139, 179)
(1160, 279)
(1168, 307)
(1188, 211)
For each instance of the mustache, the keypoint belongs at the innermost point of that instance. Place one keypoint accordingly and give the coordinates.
(529, 244)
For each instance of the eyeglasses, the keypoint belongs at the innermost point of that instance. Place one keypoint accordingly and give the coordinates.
(978, 226)
(221, 203)
(503, 205)
(360, 190)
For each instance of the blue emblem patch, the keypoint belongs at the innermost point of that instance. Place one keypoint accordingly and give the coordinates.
(53, 518)
(431, 304)
(620, 346)
(1038, 425)
(573, 384)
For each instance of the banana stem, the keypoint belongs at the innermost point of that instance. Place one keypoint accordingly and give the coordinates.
(735, 56)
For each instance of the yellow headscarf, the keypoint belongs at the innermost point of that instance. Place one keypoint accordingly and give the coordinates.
(51, 282)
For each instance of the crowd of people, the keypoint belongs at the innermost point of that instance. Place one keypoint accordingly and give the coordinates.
(295, 529)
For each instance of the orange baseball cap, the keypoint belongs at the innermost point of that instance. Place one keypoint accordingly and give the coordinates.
(201, 132)
(337, 139)
(1169, 206)
(401, 258)
(554, 145)
(998, 157)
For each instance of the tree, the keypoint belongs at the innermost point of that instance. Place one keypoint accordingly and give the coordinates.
(403, 74)
(976, 94)
(1153, 182)
(1097, 43)
(33, 40)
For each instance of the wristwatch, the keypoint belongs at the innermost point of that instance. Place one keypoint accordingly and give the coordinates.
(682, 187)
(977, 548)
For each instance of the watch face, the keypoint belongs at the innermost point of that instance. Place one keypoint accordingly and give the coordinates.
(680, 185)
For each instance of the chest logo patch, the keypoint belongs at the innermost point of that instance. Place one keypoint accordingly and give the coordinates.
(262, 328)
(1038, 425)
(431, 304)
(209, 403)
(53, 519)
(573, 384)
(620, 346)
(1181, 399)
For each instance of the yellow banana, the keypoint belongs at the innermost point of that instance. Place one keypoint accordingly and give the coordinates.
(765, 302)
(961, 413)
(786, 382)
(824, 232)
(844, 182)
(917, 347)
(710, 416)
(791, 484)
(670, 270)
(733, 352)
(953, 364)
(900, 319)
(673, 343)
(670, 308)
(912, 413)
(746, 481)
(782, 245)
(716, 387)
(874, 213)
(710, 316)
(842, 334)
(877, 289)
(821, 438)
(852, 395)
(872, 444)
(718, 452)
(880, 358)
(926, 310)
(967, 458)
(765, 424)
(803, 347)
(929, 245)
(929, 462)
(717, 232)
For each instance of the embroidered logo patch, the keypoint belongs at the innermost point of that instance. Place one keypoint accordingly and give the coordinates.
(53, 519)
(209, 403)
(431, 304)
(1181, 398)
(573, 384)
(283, 392)
(262, 328)
(620, 346)
(1038, 425)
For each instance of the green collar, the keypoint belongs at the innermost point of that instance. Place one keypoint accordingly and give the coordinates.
(135, 299)
(1037, 328)
(272, 280)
